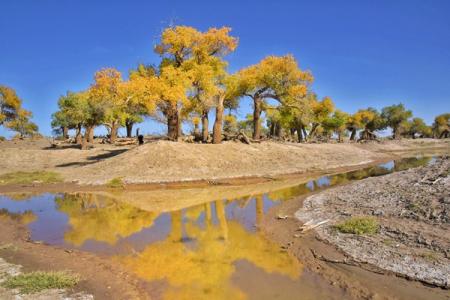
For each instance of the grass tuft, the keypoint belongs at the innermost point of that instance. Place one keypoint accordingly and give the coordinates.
(30, 177)
(358, 225)
(34, 282)
(115, 183)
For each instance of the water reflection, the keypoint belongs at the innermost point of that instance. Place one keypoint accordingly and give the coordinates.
(193, 240)
(95, 217)
(197, 259)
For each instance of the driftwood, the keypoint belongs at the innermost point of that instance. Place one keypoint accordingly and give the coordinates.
(244, 138)
(241, 136)
(312, 224)
(125, 141)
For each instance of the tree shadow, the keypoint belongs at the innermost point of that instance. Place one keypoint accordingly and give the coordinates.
(94, 159)
(62, 147)
(111, 153)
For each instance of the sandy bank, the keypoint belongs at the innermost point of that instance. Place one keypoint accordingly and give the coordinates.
(164, 161)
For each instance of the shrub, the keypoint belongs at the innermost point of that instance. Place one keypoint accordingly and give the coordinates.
(115, 183)
(358, 225)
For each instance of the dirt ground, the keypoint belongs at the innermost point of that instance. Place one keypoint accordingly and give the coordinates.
(413, 210)
(164, 161)
(99, 276)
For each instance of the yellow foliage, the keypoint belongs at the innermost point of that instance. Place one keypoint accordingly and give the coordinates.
(10, 104)
(277, 77)
(363, 117)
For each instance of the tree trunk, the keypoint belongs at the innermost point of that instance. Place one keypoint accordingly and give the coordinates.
(88, 130)
(129, 126)
(299, 134)
(353, 134)
(90, 138)
(78, 137)
(256, 117)
(114, 128)
(444, 134)
(217, 129)
(172, 124)
(277, 129)
(196, 132)
(179, 125)
(65, 132)
(205, 132)
(272, 129)
(313, 130)
(396, 133)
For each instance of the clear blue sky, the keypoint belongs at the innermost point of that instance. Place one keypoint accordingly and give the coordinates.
(362, 53)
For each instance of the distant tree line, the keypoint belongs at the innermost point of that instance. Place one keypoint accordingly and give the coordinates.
(191, 80)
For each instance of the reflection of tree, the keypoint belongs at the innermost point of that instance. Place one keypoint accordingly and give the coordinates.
(25, 218)
(204, 271)
(288, 193)
(411, 162)
(93, 217)
(21, 196)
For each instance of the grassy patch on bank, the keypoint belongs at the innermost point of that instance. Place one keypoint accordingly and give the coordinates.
(30, 177)
(34, 282)
(358, 225)
(115, 183)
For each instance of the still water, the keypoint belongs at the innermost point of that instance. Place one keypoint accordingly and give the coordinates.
(201, 243)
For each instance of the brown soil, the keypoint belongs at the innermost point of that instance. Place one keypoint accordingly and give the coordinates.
(100, 277)
(166, 162)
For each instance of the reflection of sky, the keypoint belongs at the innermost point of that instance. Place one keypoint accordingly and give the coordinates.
(323, 181)
(50, 224)
(388, 166)
(246, 215)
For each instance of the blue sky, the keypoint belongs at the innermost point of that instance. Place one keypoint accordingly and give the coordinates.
(362, 53)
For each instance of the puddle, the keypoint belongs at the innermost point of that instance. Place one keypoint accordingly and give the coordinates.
(196, 243)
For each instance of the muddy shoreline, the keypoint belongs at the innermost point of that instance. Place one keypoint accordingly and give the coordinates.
(413, 239)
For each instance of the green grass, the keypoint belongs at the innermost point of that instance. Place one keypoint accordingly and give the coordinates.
(34, 282)
(115, 183)
(358, 225)
(30, 177)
